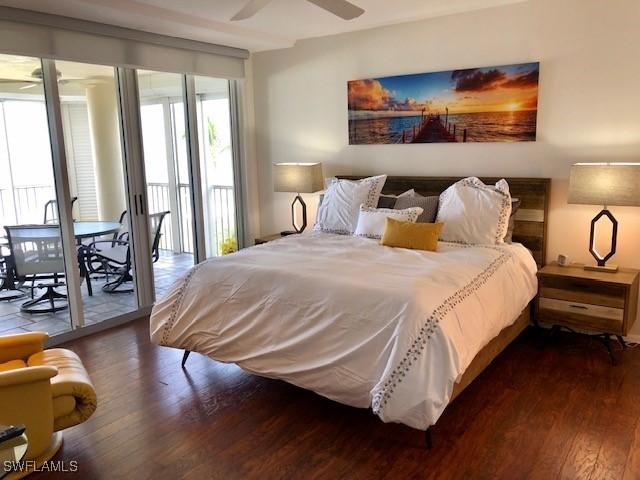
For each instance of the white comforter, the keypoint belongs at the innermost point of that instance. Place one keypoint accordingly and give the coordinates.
(357, 322)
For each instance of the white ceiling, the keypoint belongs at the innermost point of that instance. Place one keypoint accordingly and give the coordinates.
(278, 25)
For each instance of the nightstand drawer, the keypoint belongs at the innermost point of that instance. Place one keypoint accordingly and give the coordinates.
(582, 309)
(582, 291)
(581, 315)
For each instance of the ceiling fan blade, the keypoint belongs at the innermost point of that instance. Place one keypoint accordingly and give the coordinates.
(7, 80)
(341, 8)
(250, 9)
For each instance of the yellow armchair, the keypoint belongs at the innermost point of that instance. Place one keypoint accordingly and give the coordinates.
(46, 390)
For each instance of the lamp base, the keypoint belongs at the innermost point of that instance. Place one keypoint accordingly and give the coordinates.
(601, 259)
(604, 268)
(303, 206)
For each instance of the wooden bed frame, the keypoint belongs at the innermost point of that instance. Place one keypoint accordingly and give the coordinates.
(530, 230)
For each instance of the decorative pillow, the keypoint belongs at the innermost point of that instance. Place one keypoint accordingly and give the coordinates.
(371, 220)
(338, 212)
(417, 236)
(475, 213)
(515, 205)
(386, 201)
(389, 201)
(429, 206)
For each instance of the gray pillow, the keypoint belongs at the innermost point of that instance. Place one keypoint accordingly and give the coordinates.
(515, 205)
(387, 201)
(429, 206)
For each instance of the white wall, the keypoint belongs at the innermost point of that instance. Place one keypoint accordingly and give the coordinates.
(589, 104)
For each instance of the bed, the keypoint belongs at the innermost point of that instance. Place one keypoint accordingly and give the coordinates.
(400, 331)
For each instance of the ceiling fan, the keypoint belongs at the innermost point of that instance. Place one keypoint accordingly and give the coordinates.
(340, 8)
(36, 79)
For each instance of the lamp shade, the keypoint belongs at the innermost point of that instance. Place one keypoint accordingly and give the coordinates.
(297, 177)
(605, 184)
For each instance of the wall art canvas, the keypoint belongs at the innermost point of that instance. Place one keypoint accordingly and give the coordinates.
(489, 104)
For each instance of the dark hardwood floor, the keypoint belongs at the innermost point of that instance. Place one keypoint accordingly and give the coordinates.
(557, 411)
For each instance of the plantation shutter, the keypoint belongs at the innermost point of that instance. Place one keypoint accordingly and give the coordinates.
(80, 158)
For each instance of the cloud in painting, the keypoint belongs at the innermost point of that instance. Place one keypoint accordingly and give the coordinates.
(409, 105)
(475, 80)
(525, 80)
(371, 95)
(368, 95)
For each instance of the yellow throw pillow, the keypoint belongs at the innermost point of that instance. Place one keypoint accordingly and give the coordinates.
(417, 236)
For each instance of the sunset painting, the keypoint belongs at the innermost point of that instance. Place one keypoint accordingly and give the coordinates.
(490, 104)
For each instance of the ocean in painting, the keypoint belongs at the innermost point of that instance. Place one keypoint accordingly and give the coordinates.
(485, 104)
(518, 126)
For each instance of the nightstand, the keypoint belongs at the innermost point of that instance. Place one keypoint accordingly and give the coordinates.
(269, 238)
(599, 302)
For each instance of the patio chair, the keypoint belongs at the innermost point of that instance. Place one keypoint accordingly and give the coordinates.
(36, 251)
(122, 234)
(8, 289)
(113, 256)
(51, 210)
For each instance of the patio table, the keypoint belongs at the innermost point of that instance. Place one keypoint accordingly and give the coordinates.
(81, 230)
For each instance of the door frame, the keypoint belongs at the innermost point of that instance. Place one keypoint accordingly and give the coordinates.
(195, 174)
(237, 153)
(63, 190)
(134, 170)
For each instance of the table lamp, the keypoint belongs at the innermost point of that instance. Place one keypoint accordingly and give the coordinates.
(298, 178)
(604, 184)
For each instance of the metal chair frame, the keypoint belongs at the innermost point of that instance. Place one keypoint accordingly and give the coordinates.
(52, 205)
(50, 295)
(97, 263)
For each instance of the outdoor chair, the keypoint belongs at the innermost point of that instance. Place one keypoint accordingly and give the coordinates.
(103, 269)
(36, 252)
(51, 210)
(113, 257)
(8, 289)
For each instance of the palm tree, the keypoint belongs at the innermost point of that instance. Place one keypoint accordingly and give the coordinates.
(213, 140)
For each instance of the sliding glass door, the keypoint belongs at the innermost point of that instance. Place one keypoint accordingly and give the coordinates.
(162, 116)
(98, 185)
(216, 165)
(33, 280)
(32, 262)
(113, 183)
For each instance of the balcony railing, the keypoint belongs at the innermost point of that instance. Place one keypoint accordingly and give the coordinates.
(219, 207)
(30, 202)
(25, 204)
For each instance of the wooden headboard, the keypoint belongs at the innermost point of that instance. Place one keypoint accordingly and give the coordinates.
(531, 218)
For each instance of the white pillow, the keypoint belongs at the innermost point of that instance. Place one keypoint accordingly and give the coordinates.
(371, 220)
(338, 212)
(475, 213)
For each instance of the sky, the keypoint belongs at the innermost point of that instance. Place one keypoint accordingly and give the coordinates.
(488, 89)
